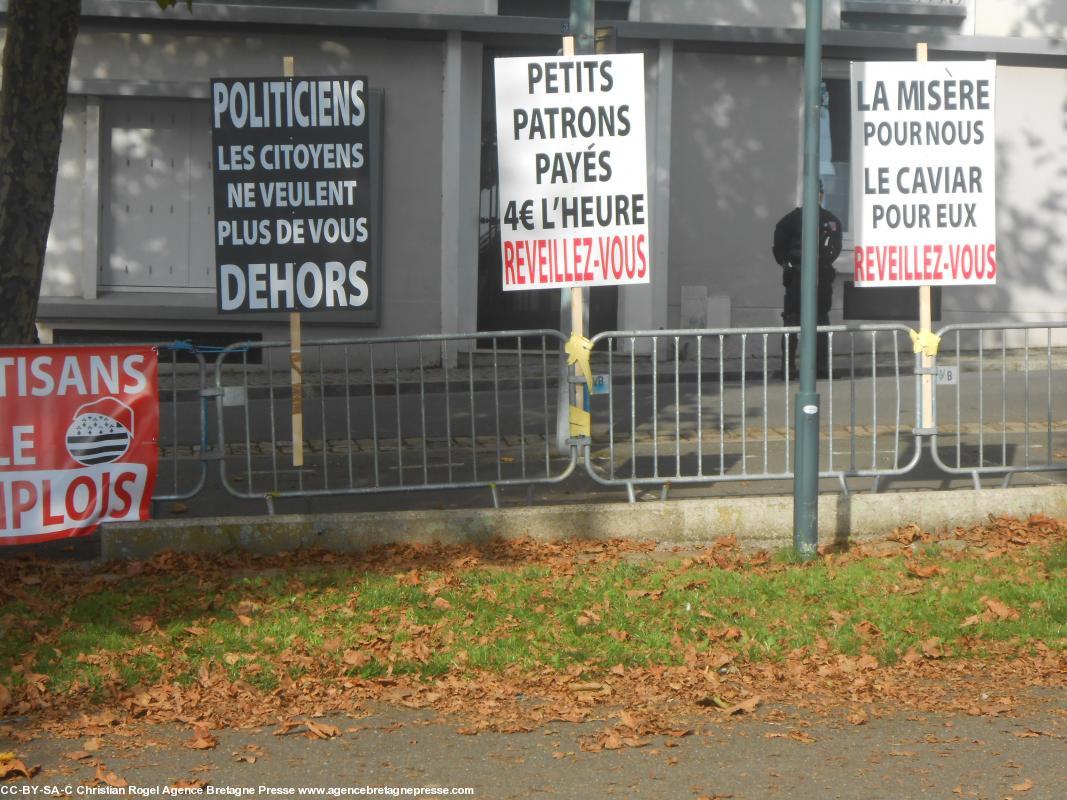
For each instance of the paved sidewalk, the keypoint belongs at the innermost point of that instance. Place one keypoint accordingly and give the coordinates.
(775, 753)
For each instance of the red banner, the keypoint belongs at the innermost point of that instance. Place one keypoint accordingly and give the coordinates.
(79, 439)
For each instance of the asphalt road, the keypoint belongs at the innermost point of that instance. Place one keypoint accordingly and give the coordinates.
(777, 753)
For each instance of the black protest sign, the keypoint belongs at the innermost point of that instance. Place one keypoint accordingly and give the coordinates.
(292, 194)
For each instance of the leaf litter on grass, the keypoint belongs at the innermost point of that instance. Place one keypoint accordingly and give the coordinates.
(511, 635)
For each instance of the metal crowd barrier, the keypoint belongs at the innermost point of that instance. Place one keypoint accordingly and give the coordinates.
(702, 406)
(669, 407)
(1000, 403)
(392, 415)
(184, 424)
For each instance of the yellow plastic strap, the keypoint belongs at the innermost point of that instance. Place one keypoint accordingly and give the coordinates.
(581, 424)
(578, 348)
(925, 343)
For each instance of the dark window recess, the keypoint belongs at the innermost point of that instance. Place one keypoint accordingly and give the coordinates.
(561, 9)
(902, 15)
(888, 303)
(209, 341)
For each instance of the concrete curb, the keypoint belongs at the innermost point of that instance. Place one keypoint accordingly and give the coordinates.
(757, 522)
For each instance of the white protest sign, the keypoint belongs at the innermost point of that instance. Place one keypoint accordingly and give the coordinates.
(573, 177)
(923, 173)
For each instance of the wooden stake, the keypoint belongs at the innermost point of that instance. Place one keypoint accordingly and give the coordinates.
(577, 302)
(295, 353)
(926, 315)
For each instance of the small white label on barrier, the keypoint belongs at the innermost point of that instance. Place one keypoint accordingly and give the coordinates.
(809, 409)
(948, 376)
(601, 385)
(233, 396)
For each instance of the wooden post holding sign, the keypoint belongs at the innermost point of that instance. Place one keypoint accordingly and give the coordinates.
(924, 185)
(577, 295)
(296, 358)
(926, 324)
(573, 183)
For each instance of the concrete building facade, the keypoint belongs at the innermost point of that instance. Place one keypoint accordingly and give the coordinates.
(131, 246)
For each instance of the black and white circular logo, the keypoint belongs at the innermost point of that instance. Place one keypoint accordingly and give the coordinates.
(101, 432)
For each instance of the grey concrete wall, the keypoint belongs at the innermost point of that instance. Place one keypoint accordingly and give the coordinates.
(735, 171)
(1031, 159)
(66, 239)
(756, 522)
(1031, 199)
(1046, 19)
(461, 181)
(735, 131)
(409, 72)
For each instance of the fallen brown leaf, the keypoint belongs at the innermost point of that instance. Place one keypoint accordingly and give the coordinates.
(932, 648)
(110, 778)
(858, 717)
(920, 571)
(744, 707)
(142, 624)
(677, 733)
(1001, 610)
(287, 727)
(1025, 786)
(16, 768)
(867, 662)
(321, 730)
(203, 739)
(588, 687)
(586, 618)
(187, 783)
(1030, 733)
(357, 658)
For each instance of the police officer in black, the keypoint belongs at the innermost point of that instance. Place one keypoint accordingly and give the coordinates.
(787, 234)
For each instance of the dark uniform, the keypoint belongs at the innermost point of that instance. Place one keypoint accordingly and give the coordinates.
(787, 234)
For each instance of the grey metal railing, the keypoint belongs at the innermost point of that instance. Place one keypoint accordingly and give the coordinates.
(673, 407)
(185, 446)
(393, 414)
(1001, 399)
(715, 405)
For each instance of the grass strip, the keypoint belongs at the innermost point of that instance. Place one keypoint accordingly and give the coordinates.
(106, 633)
